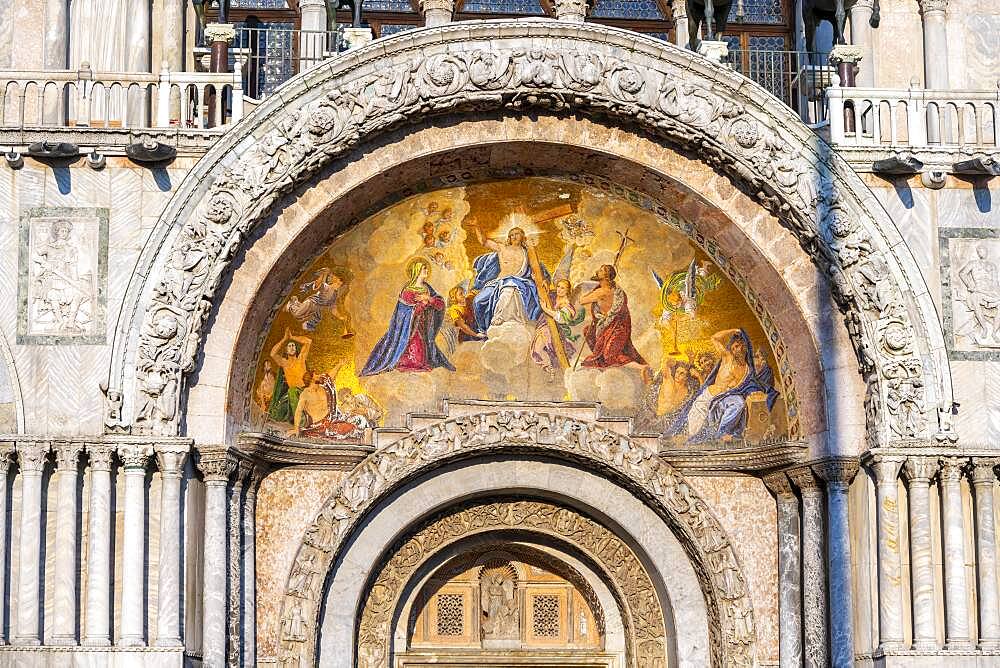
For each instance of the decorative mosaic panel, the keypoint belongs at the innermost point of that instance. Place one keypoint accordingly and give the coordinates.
(528, 7)
(627, 9)
(758, 11)
(392, 28)
(525, 289)
(63, 270)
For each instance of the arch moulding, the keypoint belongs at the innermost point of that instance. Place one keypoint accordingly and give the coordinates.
(547, 67)
(632, 464)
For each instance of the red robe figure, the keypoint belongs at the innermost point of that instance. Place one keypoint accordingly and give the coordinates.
(409, 343)
(609, 332)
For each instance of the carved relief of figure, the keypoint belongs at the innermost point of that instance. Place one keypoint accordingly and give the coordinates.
(982, 297)
(300, 582)
(293, 626)
(498, 596)
(61, 288)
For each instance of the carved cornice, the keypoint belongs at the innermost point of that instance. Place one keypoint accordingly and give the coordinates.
(754, 459)
(275, 449)
(669, 93)
(67, 455)
(31, 457)
(920, 469)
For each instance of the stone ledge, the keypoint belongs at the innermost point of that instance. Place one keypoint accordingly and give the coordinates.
(112, 141)
(92, 657)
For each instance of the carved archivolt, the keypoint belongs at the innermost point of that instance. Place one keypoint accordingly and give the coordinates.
(730, 611)
(717, 115)
(642, 616)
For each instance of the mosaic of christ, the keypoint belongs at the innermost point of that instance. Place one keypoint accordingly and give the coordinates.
(526, 289)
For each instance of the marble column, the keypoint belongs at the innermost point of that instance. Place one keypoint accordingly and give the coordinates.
(250, 568)
(235, 619)
(918, 472)
(216, 467)
(890, 567)
(137, 57)
(838, 474)
(935, 43)
(6, 451)
(680, 24)
(170, 460)
(789, 571)
(983, 477)
(171, 28)
(55, 40)
(27, 623)
(63, 631)
(813, 569)
(437, 12)
(98, 616)
(957, 634)
(312, 40)
(134, 458)
(861, 36)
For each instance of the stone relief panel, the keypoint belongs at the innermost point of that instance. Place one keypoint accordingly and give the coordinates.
(970, 277)
(63, 269)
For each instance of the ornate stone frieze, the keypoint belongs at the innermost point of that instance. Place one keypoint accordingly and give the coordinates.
(710, 116)
(697, 528)
(645, 630)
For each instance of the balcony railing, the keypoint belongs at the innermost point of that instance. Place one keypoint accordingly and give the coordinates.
(914, 118)
(84, 98)
(797, 78)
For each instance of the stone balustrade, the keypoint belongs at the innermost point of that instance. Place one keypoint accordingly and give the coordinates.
(914, 118)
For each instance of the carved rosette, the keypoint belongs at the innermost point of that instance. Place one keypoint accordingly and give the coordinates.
(730, 608)
(716, 120)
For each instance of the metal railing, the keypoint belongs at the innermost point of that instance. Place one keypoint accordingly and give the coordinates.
(797, 78)
(85, 98)
(915, 117)
(274, 53)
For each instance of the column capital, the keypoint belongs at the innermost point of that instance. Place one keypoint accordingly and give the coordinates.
(100, 456)
(918, 469)
(779, 485)
(931, 6)
(864, 4)
(134, 455)
(312, 4)
(220, 32)
(6, 456)
(215, 464)
(170, 459)
(982, 471)
(573, 11)
(846, 53)
(951, 469)
(31, 457)
(805, 479)
(67, 455)
(837, 471)
(886, 467)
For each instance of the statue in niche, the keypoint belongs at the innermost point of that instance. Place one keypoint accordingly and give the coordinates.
(982, 297)
(499, 601)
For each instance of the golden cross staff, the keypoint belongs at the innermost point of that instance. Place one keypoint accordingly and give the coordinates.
(625, 238)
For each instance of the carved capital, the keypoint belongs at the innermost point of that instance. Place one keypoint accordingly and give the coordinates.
(982, 471)
(574, 11)
(920, 469)
(220, 32)
(951, 469)
(67, 455)
(886, 468)
(170, 460)
(134, 456)
(216, 465)
(6, 456)
(31, 457)
(779, 485)
(846, 53)
(805, 479)
(437, 6)
(931, 6)
(837, 472)
(100, 456)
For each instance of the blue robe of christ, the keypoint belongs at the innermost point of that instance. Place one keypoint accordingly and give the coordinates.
(484, 305)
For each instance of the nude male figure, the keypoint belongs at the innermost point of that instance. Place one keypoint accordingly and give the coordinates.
(512, 254)
(313, 404)
(979, 277)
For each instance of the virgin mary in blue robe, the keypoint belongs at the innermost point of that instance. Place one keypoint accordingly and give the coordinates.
(409, 343)
(727, 411)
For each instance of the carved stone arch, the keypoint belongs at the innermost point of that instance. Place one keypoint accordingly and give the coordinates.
(628, 463)
(653, 87)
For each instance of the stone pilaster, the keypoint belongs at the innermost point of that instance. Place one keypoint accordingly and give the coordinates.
(170, 460)
(6, 452)
(918, 472)
(250, 567)
(27, 622)
(437, 12)
(838, 474)
(789, 571)
(98, 617)
(957, 635)
(64, 612)
(813, 569)
(216, 466)
(934, 14)
(134, 459)
(242, 473)
(983, 477)
(890, 585)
